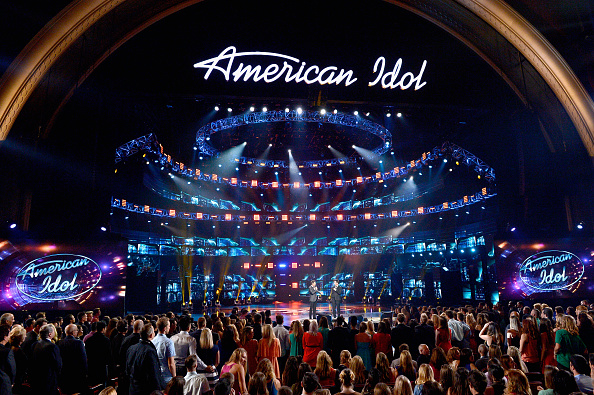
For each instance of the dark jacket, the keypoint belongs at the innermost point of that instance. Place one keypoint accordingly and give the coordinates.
(338, 340)
(313, 294)
(99, 358)
(129, 341)
(425, 334)
(73, 377)
(7, 362)
(45, 367)
(143, 370)
(27, 345)
(401, 334)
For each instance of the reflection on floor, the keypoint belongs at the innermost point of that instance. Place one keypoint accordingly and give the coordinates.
(299, 310)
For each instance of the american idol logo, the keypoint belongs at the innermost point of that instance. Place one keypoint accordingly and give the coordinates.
(58, 277)
(551, 271)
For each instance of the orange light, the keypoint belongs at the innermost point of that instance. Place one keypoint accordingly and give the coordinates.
(246, 265)
(294, 285)
(256, 217)
(123, 202)
(172, 213)
(465, 199)
(198, 215)
(146, 209)
(227, 217)
(338, 183)
(312, 217)
(215, 177)
(396, 170)
(359, 180)
(394, 214)
(270, 265)
(296, 184)
(275, 184)
(316, 184)
(484, 191)
(378, 175)
(233, 180)
(317, 264)
(294, 265)
(445, 205)
(367, 216)
(420, 210)
(254, 183)
(285, 217)
(339, 217)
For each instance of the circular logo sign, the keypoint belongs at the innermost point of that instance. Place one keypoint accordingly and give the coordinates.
(58, 277)
(551, 270)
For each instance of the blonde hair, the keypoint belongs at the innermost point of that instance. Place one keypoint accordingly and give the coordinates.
(268, 333)
(236, 357)
(265, 366)
(17, 333)
(345, 356)
(406, 362)
(235, 333)
(323, 365)
(402, 386)
(108, 391)
(347, 377)
(567, 322)
(425, 374)
(358, 368)
(383, 365)
(206, 342)
(517, 383)
(297, 328)
(313, 327)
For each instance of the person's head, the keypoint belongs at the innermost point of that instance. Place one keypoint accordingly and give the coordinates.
(345, 357)
(494, 351)
(466, 356)
(100, 326)
(257, 318)
(517, 383)
(310, 382)
(191, 363)
(184, 323)
(406, 361)
(578, 365)
(285, 390)
(323, 322)
(222, 387)
(108, 391)
(290, 374)
(39, 322)
(400, 318)
(279, 319)
(496, 372)
(438, 357)
(567, 322)
(47, 331)
(482, 349)
(175, 386)
(147, 332)
(402, 386)
(432, 388)
(453, 354)
(460, 385)
(446, 377)
(163, 325)
(477, 382)
(96, 312)
(347, 378)
(7, 319)
(443, 323)
(312, 283)
(424, 349)
(323, 364)
(71, 330)
(313, 327)
(265, 366)
(383, 365)
(257, 384)
(549, 376)
(206, 341)
(564, 383)
(373, 377)
(239, 355)
(16, 335)
(381, 389)
(358, 368)
(425, 374)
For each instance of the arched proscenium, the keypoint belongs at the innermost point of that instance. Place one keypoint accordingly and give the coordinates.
(292, 116)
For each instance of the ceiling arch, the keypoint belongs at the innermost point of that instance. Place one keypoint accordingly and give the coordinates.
(86, 32)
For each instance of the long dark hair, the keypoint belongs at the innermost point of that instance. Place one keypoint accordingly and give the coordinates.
(460, 386)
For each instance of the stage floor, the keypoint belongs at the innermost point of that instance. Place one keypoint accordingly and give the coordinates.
(299, 310)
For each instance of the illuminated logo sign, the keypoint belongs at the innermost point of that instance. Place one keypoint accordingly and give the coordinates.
(292, 69)
(551, 270)
(58, 277)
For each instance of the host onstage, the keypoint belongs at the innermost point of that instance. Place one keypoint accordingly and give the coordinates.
(335, 298)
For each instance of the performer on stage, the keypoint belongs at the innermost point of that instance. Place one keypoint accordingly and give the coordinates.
(335, 298)
(313, 300)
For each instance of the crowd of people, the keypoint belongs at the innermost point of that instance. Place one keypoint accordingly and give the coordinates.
(468, 350)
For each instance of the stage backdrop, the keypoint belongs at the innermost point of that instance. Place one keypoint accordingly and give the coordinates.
(545, 270)
(41, 277)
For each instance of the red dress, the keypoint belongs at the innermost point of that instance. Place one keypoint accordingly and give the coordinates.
(382, 343)
(251, 347)
(270, 351)
(444, 339)
(312, 345)
(549, 357)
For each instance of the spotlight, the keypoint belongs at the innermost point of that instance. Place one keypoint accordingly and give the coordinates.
(399, 115)
(252, 108)
(356, 113)
(264, 109)
(323, 111)
(195, 148)
(216, 108)
(445, 161)
(236, 169)
(353, 146)
(270, 145)
(287, 109)
(103, 229)
(580, 225)
(12, 226)
(367, 114)
(198, 158)
(388, 115)
(513, 229)
(299, 110)
(381, 161)
(289, 151)
(335, 111)
(229, 109)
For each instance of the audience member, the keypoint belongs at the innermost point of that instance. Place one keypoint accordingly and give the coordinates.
(46, 363)
(237, 365)
(208, 352)
(73, 376)
(195, 384)
(269, 347)
(184, 345)
(347, 382)
(142, 364)
(580, 370)
(477, 382)
(99, 356)
(257, 384)
(549, 376)
(312, 344)
(517, 383)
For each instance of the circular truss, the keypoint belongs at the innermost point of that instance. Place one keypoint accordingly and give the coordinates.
(204, 133)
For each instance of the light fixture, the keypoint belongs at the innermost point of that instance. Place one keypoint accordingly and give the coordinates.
(335, 111)
(356, 113)
(299, 110)
(323, 111)
(399, 115)
(252, 108)
(216, 108)
(388, 115)
(229, 109)
(12, 226)
(264, 108)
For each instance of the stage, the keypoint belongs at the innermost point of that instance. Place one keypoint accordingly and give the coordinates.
(300, 310)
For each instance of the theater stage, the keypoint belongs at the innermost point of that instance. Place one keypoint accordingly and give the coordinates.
(300, 310)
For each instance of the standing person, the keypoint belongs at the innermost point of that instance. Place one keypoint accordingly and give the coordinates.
(296, 338)
(269, 347)
(250, 345)
(547, 341)
(99, 356)
(165, 349)
(184, 344)
(282, 334)
(209, 353)
(46, 363)
(382, 340)
(73, 377)
(236, 365)
(335, 298)
(313, 300)
(129, 341)
(363, 346)
(313, 342)
(195, 384)
(530, 345)
(567, 341)
(443, 335)
(338, 340)
(142, 364)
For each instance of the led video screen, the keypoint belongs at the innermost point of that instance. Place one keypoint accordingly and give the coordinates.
(62, 277)
(545, 269)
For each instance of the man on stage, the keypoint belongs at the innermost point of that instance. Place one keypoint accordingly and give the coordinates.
(313, 300)
(335, 298)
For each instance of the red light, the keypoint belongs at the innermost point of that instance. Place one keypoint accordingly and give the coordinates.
(316, 184)
(294, 285)
(172, 213)
(317, 264)
(234, 181)
(256, 217)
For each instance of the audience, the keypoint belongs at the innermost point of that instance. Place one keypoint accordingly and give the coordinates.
(195, 384)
